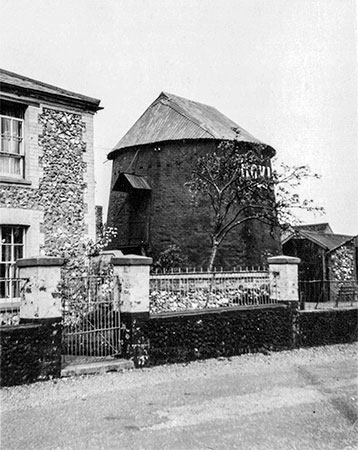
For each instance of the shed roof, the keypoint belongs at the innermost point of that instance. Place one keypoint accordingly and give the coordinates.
(10, 81)
(320, 227)
(328, 241)
(127, 181)
(171, 117)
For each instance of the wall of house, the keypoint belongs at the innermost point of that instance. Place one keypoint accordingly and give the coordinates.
(172, 216)
(55, 201)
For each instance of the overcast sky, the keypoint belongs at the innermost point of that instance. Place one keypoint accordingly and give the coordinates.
(285, 70)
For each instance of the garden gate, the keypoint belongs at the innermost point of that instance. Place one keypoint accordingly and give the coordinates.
(91, 316)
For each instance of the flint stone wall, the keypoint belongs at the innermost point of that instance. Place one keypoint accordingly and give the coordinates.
(326, 327)
(62, 182)
(224, 332)
(342, 263)
(30, 352)
(201, 334)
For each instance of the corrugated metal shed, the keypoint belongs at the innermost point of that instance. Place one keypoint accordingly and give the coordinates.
(171, 117)
(13, 79)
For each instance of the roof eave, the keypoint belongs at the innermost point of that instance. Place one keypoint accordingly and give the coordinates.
(77, 100)
(351, 238)
(111, 155)
(303, 235)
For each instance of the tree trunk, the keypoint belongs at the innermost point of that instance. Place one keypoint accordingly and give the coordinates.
(214, 250)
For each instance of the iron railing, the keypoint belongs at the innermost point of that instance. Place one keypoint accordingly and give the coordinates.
(91, 321)
(196, 290)
(327, 293)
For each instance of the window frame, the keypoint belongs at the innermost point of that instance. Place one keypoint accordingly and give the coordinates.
(11, 154)
(10, 283)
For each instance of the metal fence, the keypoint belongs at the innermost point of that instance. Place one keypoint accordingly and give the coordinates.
(327, 293)
(182, 291)
(11, 295)
(91, 319)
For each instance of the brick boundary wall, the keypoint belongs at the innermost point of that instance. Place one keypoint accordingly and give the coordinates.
(30, 352)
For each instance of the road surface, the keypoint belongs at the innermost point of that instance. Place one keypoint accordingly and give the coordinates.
(304, 399)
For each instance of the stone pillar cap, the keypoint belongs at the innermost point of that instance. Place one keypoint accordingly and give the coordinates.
(114, 253)
(131, 260)
(283, 259)
(40, 261)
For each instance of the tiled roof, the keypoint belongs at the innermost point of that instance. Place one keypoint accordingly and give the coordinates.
(10, 80)
(171, 117)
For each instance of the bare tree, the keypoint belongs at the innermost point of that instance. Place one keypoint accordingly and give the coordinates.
(241, 186)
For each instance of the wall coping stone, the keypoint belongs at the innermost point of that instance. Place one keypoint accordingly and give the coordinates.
(113, 253)
(15, 328)
(199, 312)
(131, 260)
(39, 321)
(40, 261)
(283, 259)
(327, 310)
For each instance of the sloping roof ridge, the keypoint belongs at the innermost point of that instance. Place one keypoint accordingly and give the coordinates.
(156, 101)
(304, 234)
(59, 90)
(310, 224)
(179, 109)
(323, 233)
(311, 235)
(315, 235)
(308, 234)
(173, 97)
(350, 238)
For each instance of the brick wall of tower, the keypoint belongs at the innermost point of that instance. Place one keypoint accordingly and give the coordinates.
(173, 219)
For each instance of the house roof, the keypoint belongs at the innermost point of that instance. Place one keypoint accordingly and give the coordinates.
(171, 117)
(328, 241)
(15, 86)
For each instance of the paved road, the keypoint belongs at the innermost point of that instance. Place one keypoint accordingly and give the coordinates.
(305, 399)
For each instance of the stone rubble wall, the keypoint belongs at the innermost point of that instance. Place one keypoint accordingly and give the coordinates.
(61, 190)
(30, 352)
(65, 193)
(341, 264)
